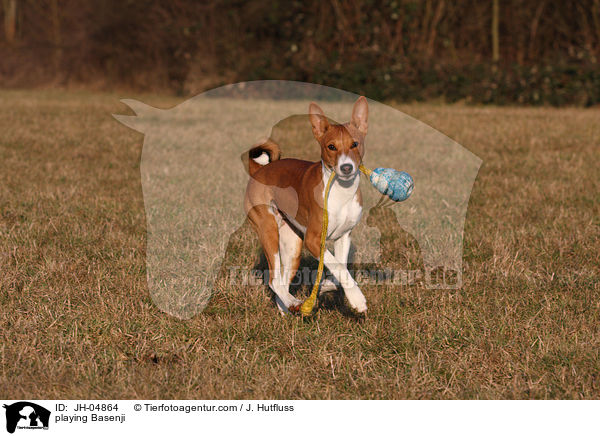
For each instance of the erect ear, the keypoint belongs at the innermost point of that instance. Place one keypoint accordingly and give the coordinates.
(317, 120)
(360, 114)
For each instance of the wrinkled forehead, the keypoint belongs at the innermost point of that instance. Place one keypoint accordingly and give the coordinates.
(342, 133)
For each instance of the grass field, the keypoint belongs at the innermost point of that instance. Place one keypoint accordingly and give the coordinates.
(76, 319)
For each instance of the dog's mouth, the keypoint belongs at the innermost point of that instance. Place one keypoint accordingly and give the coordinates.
(346, 177)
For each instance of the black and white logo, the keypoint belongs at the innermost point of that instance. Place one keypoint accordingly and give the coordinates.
(26, 415)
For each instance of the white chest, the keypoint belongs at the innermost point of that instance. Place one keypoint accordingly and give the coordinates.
(344, 209)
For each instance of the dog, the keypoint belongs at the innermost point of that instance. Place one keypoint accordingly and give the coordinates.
(284, 203)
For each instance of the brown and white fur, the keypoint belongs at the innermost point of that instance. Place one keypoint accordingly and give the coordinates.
(284, 202)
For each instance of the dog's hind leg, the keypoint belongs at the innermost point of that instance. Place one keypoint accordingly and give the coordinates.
(290, 248)
(266, 225)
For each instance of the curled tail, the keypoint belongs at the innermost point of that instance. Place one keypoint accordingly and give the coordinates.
(262, 154)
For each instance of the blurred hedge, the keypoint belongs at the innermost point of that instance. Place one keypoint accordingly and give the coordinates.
(399, 49)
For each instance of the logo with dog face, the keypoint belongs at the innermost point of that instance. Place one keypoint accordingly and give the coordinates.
(26, 415)
(193, 184)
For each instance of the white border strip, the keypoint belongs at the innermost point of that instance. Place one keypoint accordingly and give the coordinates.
(314, 417)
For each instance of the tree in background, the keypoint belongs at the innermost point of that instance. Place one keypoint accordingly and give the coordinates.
(495, 31)
(10, 20)
(514, 51)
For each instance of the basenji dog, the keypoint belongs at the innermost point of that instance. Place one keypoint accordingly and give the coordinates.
(284, 203)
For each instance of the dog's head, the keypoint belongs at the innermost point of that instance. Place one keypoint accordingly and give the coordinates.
(342, 145)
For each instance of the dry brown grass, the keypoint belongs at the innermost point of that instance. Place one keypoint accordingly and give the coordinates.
(76, 320)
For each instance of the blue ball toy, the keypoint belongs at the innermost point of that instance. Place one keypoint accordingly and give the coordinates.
(398, 185)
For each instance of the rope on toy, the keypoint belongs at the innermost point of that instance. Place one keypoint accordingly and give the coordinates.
(397, 185)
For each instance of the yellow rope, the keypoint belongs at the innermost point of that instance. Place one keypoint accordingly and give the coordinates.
(309, 304)
(367, 172)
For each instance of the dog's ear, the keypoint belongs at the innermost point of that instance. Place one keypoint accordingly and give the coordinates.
(360, 114)
(317, 120)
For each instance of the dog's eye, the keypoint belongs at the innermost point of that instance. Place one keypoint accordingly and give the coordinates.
(331, 147)
(354, 144)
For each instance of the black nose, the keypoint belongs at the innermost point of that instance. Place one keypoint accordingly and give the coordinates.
(346, 168)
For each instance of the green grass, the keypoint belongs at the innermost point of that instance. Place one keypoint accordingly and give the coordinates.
(77, 321)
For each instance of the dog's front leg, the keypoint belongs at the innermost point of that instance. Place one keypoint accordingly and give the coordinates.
(353, 293)
(338, 269)
(341, 248)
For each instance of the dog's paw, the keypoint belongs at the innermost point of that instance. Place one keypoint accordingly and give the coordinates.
(295, 302)
(292, 303)
(356, 299)
(295, 308)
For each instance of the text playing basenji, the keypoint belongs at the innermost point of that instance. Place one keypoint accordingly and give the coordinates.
(284, 202)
